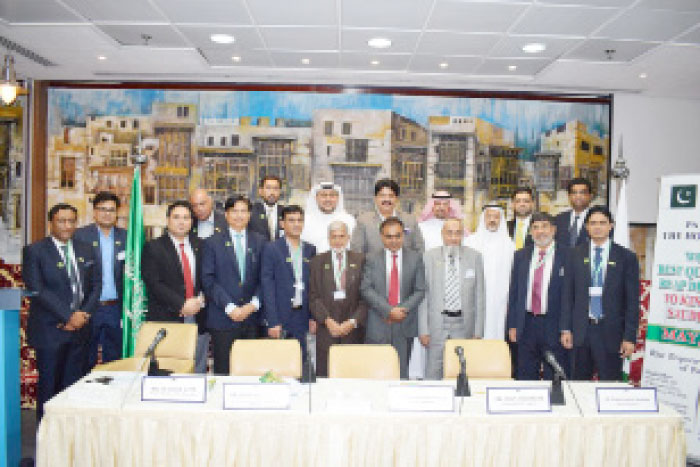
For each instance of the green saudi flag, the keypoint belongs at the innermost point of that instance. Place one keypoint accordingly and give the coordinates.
(134, 307)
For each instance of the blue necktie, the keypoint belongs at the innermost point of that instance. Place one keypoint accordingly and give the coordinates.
(240, 256)
(597, 281)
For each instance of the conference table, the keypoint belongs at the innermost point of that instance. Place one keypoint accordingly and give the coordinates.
(343, 422)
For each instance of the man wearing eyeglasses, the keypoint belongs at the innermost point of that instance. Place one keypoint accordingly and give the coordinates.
(108, 242)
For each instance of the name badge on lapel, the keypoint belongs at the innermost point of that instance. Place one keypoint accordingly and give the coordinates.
(469, 274)
(595, 291)
(121, 256)
(339, 295)
(561, 272)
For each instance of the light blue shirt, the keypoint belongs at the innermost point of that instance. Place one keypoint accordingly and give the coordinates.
(109, 287)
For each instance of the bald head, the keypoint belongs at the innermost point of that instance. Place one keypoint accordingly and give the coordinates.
(452, 232)
(201, 204)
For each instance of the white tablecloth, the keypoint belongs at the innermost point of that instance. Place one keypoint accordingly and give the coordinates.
(348, 425)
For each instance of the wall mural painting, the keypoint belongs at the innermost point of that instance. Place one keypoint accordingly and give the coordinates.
(480, 149)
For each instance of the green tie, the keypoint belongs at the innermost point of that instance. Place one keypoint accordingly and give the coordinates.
(240, 255)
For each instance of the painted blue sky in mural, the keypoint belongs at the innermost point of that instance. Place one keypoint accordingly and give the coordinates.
(528, 119)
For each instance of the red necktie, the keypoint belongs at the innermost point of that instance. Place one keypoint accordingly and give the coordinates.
(342, 271)
(537, 286)
(187, 272)
(394, 282)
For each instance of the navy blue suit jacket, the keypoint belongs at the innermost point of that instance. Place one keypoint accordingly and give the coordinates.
(278, 287)
(221, 279)
(258, 221)
(517, 296)
(563, 235)
(620, 296)
(44, 273)
(90, 235)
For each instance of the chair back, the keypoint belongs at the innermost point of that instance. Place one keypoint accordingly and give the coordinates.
(255, 357)
(180, 340)
(367, 361)
(486, 358)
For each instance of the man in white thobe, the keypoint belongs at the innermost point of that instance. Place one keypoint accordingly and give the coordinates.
(324, 206)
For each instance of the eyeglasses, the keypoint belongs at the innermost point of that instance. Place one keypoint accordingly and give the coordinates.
(110, 210)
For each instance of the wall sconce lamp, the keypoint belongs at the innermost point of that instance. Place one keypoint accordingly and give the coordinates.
(9, 86)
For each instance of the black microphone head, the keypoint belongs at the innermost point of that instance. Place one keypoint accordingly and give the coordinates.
(459, 350)
(549, 356)
(163, 332)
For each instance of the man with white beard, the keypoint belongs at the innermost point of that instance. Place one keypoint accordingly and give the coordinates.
(324, 206)
(441, 206)
(492, 241)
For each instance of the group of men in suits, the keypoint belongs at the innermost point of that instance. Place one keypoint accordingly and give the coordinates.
(247, 273)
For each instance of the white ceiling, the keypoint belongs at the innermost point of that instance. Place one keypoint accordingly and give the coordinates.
(478, 40)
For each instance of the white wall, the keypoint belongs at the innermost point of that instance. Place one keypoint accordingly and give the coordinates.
(660, 137)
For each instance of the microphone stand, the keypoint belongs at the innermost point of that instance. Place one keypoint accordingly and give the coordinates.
(462, 381)
(556, 396)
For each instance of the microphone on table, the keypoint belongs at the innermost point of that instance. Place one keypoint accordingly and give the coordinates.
(160, 335)
(308, 373)
(153, 369)
(462, 382)
(556, 395)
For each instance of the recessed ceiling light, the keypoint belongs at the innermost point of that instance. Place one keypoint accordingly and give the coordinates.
(379, 43)
(444, 65)
(222, 38)
(236, 58)
(642, 75)
(512, 67)
(101, 57)
(305, 61)
(374, 62)
(534, 48)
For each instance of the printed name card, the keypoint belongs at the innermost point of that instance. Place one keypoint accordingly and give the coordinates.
(518, 400)
(421, 398)
(174, 389)
(257, 396)
(611, 400)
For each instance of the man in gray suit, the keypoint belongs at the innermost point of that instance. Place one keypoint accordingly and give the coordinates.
(453, 307)
(366, 237)
(393, 285)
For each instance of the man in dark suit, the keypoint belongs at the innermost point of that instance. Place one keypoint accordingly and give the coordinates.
(570, 230)
(519, 226)
(264, 218)
(207, 221)
(231, 262)
(600, 315)
(108, 242)
(535, 300)
(285, 280)
(65, 281)
(171, 270)
(334, 295)
(393, 285)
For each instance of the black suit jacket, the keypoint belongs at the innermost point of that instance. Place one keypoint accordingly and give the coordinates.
(620, 296)
(90, 235)
(44, 273)
(258, 221)
(165, 284)
(517, 295)
(563, 235)
(220, 224)
(528, 235)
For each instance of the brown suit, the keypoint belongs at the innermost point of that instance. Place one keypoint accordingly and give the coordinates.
(322, 305)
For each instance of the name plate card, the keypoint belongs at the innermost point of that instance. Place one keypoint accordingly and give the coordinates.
(517, 400)
(421, 398)
(174, 389)
(257, 396)
(615, 400)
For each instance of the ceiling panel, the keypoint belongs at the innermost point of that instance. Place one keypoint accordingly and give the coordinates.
(111, 10)
(205, 11)
(161, 35)
(563, 20)
(449, 43)
(692, 37)
(385, 13)
(364, 61)
(649, 25)
(678, 5)
(499, 66)
(316, 59)
(41, 39)
(301, 38)
(36, 11)
(245, 37)
(220, 57)
(474, 16)
(301, 12)
(150, 60)
(625, 51)
(401, 41)
(512, 46)
(431, 64)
